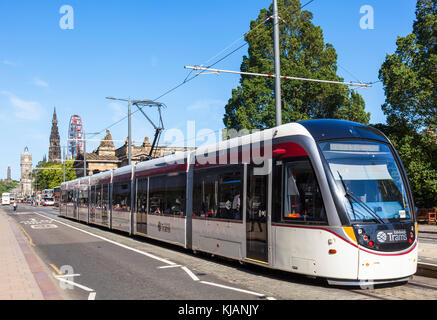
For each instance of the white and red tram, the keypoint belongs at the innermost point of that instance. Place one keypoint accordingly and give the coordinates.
(324, 198)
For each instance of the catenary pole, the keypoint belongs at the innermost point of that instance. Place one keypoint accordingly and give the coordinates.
(277, 64)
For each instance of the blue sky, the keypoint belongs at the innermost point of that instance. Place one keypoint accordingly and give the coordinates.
(138, 49)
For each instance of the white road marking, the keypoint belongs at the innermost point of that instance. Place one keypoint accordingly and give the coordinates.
(190, 273)
(91, 296)
(67, 275)
(43, 226)
(173, 266)
(114, 242)
(74, 284)
(170, 265)
(232, 288)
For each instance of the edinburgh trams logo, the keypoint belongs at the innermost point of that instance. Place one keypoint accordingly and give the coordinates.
(381, 236)
(164, 227)
(391, 236)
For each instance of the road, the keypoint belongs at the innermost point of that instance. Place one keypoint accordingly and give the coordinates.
(93, 263)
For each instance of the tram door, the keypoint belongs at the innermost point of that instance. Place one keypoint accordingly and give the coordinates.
(141, 206)
(256, 216)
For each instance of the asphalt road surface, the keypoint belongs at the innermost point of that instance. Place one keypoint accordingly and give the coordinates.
(93, 263)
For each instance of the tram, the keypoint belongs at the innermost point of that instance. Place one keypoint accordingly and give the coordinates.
(322, 198)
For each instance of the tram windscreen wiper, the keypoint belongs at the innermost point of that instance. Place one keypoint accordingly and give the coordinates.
(350, 196)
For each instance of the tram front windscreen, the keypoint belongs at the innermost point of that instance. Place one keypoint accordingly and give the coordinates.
(374, 190)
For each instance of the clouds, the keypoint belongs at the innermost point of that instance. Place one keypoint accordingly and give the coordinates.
(22, 109)
(40, 83)
(9, 63)
(119, 111)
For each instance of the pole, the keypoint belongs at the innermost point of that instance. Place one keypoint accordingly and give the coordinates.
(63, 162)
(84, 156)
(129, 132)
(277, 63)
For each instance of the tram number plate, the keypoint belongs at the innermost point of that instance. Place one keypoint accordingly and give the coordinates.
(391, 236)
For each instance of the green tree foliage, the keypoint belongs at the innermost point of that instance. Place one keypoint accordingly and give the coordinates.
(409, 77)
(303, 54)
(7, 187)
(410, 74)
(49, 175)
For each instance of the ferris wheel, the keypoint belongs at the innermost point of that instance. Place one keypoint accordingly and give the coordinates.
(75, 136)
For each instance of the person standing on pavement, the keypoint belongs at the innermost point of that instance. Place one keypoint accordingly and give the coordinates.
(15, 205)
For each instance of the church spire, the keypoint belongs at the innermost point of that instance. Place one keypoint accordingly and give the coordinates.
(54, 116)
(55, 141)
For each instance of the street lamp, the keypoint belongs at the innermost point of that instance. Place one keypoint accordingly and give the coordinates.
(129, 135)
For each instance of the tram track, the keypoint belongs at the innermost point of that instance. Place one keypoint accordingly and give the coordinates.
(366, 293)
(422, 285)
(397, 293)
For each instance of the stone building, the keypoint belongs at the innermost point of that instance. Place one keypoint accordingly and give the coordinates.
(9, 178)
(107, 157)
(55, 141)
(26, 171)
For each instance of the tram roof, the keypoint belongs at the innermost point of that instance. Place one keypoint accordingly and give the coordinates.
(326, 129)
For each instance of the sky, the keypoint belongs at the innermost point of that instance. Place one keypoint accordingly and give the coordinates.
(138, 49)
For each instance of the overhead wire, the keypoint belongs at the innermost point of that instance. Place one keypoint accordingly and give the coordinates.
(188, 79)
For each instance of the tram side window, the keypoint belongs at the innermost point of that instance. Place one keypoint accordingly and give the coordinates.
(230, 194)
(205, 194)
(99, 196)
(70, 196)
(218, 193)
(167, 194)
(64, 197)
(142, 195)
(121, 196)
(83, 196)
(302, 197)
(93, 196)
(105, 197)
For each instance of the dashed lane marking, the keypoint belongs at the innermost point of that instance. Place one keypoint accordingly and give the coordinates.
(173, 266)
(236, 289)
(170, 264)
(190, 273)
(114, 242)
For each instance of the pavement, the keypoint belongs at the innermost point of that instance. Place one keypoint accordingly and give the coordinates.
(23, 276)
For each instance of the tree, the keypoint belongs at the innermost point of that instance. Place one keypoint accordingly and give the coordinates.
(409, 77)
(304, 54)
(7, 187)
(49, 175)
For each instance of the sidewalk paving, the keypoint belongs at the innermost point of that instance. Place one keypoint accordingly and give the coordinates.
(428, 250)
(427, 228)
(22, 275)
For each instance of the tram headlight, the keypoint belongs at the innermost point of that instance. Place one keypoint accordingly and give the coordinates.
(360, 231)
